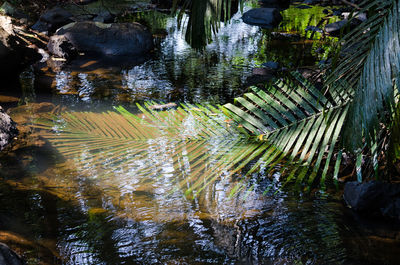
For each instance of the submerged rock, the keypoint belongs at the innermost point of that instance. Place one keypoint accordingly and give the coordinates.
(263, 17)
(374, 198)
(8, 256)
(117, 39)
(8, 130)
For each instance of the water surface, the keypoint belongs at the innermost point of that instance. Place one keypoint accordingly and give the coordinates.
(58, 211)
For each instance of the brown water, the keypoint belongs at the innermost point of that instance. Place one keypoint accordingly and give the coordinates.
(55, 211)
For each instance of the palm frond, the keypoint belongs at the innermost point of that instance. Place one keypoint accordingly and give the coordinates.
(288, 128)
(296, 118)
(369, 65)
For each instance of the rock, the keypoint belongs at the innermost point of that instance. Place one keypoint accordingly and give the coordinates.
(361, 17)
(9, 10)
(334, 29)
(14, 53)
(61, 47)
(52, 20)
(303, 7)
(8, 256)
(117, 39)
(285, 36)
(281, 4)
(271, 65)
(392, 209)
(263, 17)
(374, 198)
(163, 4)
(311, 2)
(83, 2)
(314, 29)
(104, 17)
(364, 196)
(8, 130)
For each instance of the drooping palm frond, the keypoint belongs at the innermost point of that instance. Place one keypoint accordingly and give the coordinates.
(369, 65)
(366, 72)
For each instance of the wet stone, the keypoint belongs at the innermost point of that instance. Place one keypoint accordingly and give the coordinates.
(8, 256)
(263, 17)
(8, 129)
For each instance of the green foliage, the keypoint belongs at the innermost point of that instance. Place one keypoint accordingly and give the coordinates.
(367, 68)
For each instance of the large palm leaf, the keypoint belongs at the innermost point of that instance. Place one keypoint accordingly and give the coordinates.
(284, 128)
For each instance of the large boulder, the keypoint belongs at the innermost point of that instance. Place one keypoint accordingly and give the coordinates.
(263, 17)
(8, 129)
(9, 257)
(53, 19)
(374, 198)
(117, 39)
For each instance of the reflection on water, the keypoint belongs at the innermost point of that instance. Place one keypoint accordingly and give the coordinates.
(91, 225)
(178, 73)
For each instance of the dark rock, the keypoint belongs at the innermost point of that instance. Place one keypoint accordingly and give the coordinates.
(164, 4)
(334, 29)
(61, 47)
(14, 53)
(84, 2)
(285, 36)
(311, 2)
(314, 29)
(392, 209)
(9, 10)
(117, 39)
(53, 19)
(280, 4)
(271, 65)
(104, 17)
(361, 17)
(374, 198)
(8, 131)
(303, 7)
(8, 256)
(364, 196)
(264, 17)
